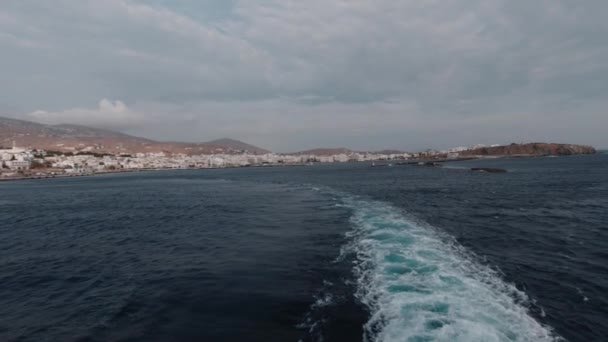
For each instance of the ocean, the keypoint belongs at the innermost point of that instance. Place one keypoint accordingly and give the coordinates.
(334, 252)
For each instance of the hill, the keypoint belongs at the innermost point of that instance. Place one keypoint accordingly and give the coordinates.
(238, 145)
(531, 149)
(324, 151)
(74, 138)
(342, 150)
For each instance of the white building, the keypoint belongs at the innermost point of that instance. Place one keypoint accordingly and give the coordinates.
(16, 158)
(18, 165)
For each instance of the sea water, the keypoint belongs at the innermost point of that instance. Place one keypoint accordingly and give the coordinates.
(341, 252)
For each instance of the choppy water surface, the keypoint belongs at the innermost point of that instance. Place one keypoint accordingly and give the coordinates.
(319, 253)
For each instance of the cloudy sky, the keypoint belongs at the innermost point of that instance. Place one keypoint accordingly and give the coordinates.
(296, 74)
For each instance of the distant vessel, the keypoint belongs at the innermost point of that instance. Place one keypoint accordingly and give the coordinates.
(378, 165)
(488, 169)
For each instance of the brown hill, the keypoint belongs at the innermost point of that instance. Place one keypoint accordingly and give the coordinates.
(74, 138)
(531, 149)
(238, 145)
(325, 151)
(389, 152)
(342, 150)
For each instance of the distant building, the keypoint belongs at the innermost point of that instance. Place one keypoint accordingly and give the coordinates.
(18, 165)
(16, 158)
(458, 149)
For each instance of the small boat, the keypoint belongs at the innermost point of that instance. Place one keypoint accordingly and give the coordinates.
(488, 169)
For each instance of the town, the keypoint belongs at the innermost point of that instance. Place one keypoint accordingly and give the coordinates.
(18, 162)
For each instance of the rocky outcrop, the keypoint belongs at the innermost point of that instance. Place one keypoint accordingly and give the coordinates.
(430, 164)
(530, 150)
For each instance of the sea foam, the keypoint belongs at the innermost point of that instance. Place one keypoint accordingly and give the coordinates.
(421, 286)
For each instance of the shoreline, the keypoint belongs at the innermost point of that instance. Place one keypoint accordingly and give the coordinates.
(91, 174)
(399, 163)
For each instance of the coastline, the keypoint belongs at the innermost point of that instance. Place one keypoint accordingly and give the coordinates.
(388, 163)
(91, 174)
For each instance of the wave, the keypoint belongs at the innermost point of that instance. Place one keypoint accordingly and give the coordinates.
(314, 321)
(421, 286)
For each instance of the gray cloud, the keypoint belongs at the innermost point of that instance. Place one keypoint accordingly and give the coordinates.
(108, 114)
(287, 74)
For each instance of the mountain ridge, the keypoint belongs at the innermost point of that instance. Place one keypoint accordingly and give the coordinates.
(238, 145)
(78, 138)
(74, 138)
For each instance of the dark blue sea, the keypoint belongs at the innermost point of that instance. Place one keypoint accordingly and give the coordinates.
(341, 252)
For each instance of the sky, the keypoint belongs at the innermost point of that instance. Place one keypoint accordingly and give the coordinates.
(291, 75)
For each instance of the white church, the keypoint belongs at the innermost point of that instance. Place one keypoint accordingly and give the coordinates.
(15, 158)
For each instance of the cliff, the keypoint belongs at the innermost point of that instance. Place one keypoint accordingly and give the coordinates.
(530, 150)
